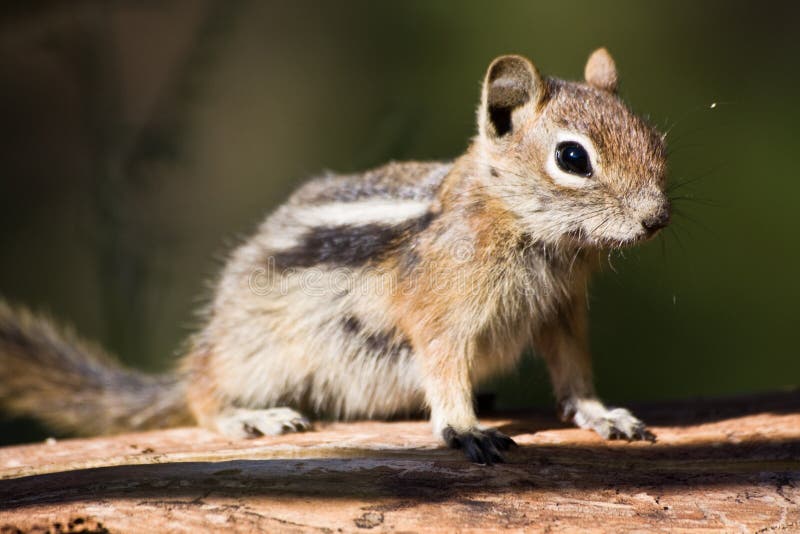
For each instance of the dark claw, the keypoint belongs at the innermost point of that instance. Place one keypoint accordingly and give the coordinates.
(500, 440)
(252, 432)
(480, 446)
(640, 433)
(645, 435)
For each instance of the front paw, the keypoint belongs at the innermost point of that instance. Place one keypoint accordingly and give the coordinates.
(482, 446)
(619, 423)
(616, 423)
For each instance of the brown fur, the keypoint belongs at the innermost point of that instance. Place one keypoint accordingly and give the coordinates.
(401, 288)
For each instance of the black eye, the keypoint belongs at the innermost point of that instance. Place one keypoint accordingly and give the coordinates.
(573, 158)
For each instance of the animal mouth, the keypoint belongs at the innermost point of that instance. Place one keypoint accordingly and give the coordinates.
(580, 238)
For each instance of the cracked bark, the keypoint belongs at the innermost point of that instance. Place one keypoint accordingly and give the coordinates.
(731, 465)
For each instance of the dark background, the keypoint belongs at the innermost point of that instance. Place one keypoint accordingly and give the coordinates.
(139, 141)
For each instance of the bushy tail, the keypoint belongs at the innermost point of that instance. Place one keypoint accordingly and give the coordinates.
(75, 387)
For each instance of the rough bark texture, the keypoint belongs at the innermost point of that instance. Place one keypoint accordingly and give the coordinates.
(717, 466)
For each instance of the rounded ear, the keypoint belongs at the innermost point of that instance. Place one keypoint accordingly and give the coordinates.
(601, 71)
(511, 83)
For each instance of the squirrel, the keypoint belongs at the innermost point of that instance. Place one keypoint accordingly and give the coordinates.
(400, 289)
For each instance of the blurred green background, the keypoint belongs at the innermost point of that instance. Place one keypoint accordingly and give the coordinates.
(141, 140)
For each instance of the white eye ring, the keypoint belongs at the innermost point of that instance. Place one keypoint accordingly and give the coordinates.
(567, 179)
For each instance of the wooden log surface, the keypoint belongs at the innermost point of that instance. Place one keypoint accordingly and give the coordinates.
(724, 466)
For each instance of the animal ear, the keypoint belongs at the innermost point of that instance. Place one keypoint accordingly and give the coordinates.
(511, 84)
(601, 71)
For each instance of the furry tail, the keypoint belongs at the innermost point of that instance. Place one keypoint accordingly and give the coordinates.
(74, 387)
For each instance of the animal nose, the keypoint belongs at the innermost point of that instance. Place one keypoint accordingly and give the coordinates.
(657, 220)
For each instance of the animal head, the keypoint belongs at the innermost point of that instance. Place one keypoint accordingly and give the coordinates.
(569, 159)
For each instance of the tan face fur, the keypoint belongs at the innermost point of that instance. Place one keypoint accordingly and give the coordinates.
(523, 118)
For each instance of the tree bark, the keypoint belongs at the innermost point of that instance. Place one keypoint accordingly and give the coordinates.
(730, 465)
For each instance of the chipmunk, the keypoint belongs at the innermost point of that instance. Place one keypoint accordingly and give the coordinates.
(377, 294)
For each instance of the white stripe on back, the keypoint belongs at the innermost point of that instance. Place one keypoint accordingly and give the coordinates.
(379, 211)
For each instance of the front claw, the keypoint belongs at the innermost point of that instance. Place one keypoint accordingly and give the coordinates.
(619, 423)
(616, 423)
(482, 446)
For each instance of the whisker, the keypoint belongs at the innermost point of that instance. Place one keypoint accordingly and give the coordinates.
(677, 238)
(610, 264)
(697, 200)
(702, 176)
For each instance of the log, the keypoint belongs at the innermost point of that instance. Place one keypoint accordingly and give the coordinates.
(722, 466)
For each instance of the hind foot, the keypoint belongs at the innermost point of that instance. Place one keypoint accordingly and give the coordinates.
(243, 423)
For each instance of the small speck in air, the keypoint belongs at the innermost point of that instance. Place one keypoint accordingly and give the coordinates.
(713, 105)
(674, 300)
